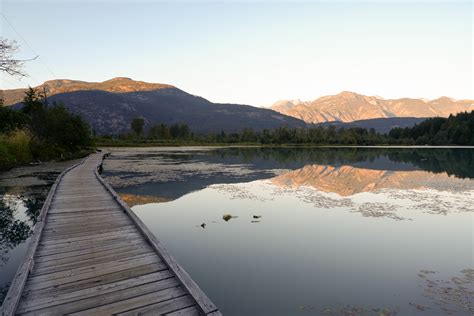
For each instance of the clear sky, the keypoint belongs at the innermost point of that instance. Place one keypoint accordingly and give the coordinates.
(251, 53)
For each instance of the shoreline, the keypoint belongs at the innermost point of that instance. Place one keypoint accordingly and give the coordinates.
(158, 145)
(32, 163)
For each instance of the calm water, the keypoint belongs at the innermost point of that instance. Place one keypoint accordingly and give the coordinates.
(312, 231)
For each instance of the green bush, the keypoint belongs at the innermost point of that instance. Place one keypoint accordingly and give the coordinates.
(19, 143)
(44, 151)
(6, 158)
(15, 148)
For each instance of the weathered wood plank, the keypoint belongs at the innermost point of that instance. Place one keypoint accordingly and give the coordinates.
(70, 225)
(82, 204)
(63, 188)
(112, 213)
(85, 209)
(90, 251)
(168, 307)
(52, 267)
(80, 199)
(31, 293)
(166, 293)
(105, 236)
(35, 303)
(96, 194)
(88, 273)
(115, 301)
(94, 268)
(190, 311)
(59, 248)
(84, 215)
(61, 227)
(76, 231)
(93, 216)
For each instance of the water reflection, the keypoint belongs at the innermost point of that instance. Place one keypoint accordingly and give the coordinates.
(18, 214)
(14, 231)
(267, 231)
(133, 199)
(174, 172)
(347, 180)
(19, 210)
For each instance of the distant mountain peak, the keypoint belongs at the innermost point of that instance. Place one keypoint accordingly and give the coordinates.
(115, 85)
(348, 106)
(444, 98)
(348, 94)
(118, 79)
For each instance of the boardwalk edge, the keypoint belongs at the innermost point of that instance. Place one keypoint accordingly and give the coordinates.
(205, 304)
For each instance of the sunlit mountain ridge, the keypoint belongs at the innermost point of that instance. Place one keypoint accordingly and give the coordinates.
(350, 106)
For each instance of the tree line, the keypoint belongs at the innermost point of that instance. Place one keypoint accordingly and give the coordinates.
(40, 131)
(281, 135)
(454, 130)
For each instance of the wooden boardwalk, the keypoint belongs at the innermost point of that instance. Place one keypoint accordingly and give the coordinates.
(90, 255)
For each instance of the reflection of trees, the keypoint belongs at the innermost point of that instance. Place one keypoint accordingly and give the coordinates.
(14, 231)
(457, 162)
(454, 161)
(33, 207)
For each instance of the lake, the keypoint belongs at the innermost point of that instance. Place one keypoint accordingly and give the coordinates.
(310, 231)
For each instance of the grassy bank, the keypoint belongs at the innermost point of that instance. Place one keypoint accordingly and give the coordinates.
(19, 148)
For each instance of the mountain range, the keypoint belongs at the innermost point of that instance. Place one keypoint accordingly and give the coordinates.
(349, 107)
(110, 106)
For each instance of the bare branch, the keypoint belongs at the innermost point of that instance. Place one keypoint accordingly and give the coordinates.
(8, 64)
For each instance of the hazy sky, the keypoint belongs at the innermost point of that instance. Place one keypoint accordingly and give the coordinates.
(252, 53)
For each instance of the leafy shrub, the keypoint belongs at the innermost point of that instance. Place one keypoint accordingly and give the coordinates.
(15, 148)
(19, 145)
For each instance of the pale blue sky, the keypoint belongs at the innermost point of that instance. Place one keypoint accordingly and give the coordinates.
(252, 53)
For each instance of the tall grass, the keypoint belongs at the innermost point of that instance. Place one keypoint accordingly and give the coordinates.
(15, 148)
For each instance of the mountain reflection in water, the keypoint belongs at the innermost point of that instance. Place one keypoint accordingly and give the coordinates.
(310, 231)
(174, 172)
(348, 180)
